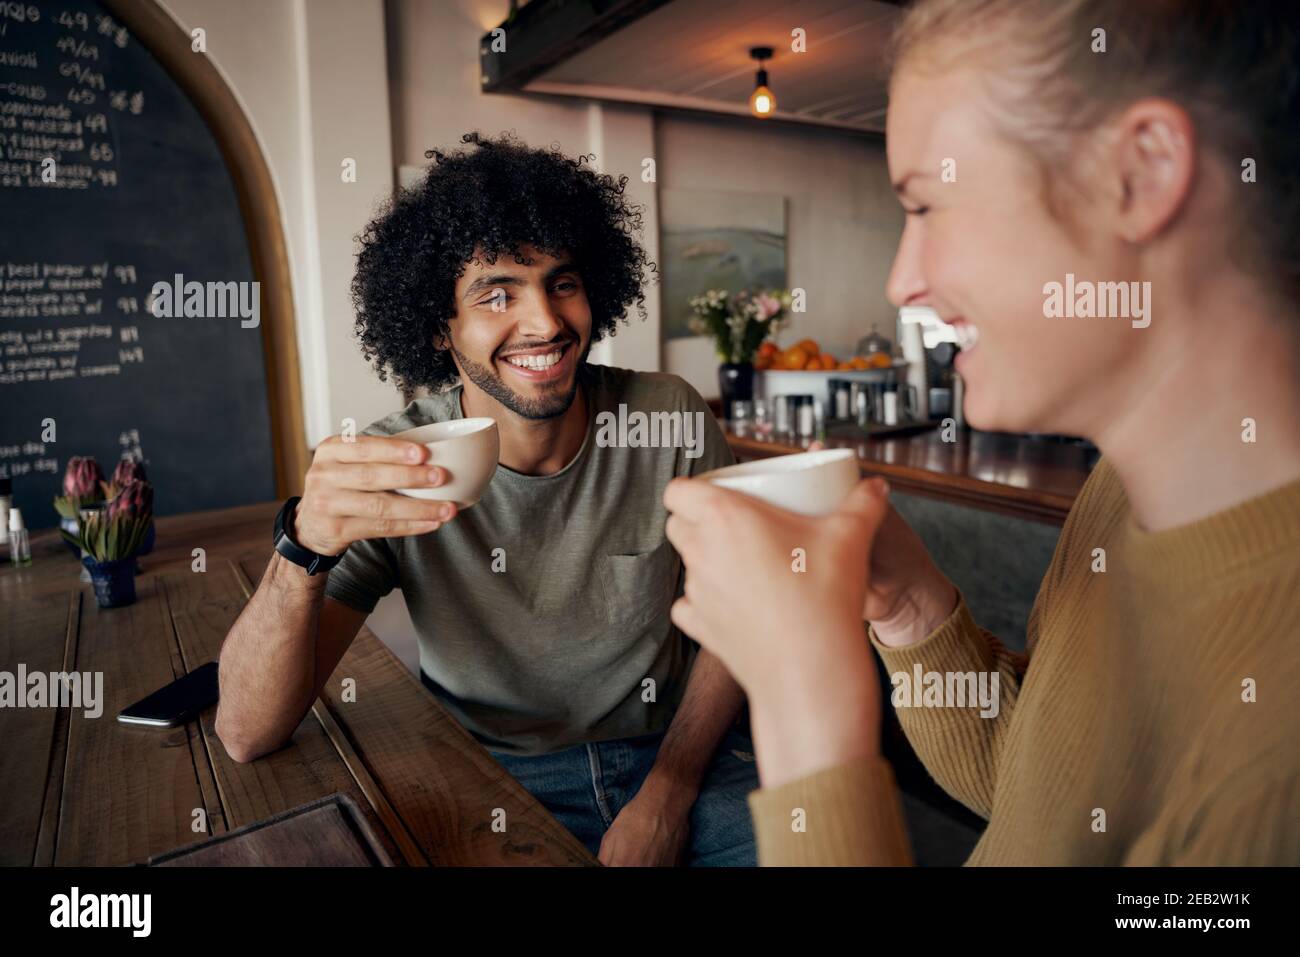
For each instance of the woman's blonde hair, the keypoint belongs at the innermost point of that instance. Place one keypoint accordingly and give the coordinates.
(1060, 67)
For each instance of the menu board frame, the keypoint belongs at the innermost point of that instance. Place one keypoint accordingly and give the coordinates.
(199, 79)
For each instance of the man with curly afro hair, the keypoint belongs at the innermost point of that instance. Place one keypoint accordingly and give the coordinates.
(542, 612)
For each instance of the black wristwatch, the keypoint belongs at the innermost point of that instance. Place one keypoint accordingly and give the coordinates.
(286, 546)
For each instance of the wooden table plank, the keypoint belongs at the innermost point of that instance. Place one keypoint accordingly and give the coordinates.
(443, 783)
(50, 806)
(203, 607)
(129, 792)
(34, 635)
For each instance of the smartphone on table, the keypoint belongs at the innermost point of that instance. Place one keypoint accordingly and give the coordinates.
(181, 701)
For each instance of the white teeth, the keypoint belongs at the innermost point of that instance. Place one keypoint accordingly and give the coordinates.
(967, 335)
(535, 362)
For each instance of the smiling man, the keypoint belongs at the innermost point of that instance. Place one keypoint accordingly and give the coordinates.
(542, 612)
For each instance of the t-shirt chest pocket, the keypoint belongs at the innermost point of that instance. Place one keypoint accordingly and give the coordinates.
(639, 588)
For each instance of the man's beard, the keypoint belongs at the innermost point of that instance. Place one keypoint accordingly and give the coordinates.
(548, 407)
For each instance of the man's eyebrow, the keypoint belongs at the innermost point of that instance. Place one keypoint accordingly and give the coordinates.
(488, 282)
(561, 269)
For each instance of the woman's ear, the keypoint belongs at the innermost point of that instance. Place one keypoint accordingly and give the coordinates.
(1154, 161)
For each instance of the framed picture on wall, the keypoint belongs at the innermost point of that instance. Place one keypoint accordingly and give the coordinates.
(711, 239)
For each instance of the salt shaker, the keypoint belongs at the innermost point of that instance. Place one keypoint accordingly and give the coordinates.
(20, 547)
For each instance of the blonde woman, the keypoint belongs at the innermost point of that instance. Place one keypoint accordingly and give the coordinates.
(1154, 144)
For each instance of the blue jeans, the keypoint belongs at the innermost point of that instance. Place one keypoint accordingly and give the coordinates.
(586, 786)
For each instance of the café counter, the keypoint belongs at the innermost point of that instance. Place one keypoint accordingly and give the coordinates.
(1035, 478)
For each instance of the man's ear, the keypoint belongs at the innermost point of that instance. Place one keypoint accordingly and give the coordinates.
(1155, 160)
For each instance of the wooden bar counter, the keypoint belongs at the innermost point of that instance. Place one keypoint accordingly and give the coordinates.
(1022, 476)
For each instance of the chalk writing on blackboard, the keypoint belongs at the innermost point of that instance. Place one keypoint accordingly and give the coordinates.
(111, 183)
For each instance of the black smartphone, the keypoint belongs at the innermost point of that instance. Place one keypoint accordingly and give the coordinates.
(182, 700)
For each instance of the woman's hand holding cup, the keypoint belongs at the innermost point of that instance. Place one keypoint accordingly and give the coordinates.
(907, 596)
(774, 595)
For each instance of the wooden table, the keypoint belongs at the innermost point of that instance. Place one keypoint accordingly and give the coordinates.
(1034, 478)
(82, 791)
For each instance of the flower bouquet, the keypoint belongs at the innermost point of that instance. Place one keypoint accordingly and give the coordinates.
(738, 325)
(110, 540)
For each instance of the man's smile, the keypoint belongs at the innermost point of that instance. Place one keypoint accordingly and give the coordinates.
(542, 364)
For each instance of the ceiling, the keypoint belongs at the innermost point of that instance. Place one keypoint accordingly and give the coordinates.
(694, 55)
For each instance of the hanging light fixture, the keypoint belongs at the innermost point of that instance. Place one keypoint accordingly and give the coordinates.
(762, 102)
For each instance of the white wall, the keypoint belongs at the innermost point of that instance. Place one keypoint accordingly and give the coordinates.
(311, 78)
(842, 221)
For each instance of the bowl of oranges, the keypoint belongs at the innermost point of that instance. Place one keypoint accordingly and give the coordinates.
(807, 356)
(805, 369)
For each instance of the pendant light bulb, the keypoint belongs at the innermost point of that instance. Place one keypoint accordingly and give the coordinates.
(762, 102)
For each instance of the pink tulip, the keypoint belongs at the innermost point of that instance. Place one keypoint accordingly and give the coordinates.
(129, 470)
(82, 477)
(135, 500)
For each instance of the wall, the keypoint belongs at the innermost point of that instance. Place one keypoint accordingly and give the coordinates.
(312, 79)
(842, 221)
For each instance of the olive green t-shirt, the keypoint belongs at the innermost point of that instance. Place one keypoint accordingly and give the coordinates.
(542, 612)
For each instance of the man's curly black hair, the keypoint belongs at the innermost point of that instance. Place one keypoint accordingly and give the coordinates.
(495, 195)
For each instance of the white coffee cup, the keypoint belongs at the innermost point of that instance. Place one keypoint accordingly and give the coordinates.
(811, 483)
(467, 449)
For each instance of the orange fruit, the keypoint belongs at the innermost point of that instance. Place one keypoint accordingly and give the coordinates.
(809, 346)
(794, 358)
(768, 348)
(829, 361)
(880, 360)
(762, 361)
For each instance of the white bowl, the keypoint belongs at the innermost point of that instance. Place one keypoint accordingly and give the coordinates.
(467, 448)
(811, 483)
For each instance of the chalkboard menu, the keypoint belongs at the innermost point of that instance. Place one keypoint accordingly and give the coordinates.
(129, 316)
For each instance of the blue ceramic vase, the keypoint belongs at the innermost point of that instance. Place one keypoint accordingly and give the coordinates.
(114, 581)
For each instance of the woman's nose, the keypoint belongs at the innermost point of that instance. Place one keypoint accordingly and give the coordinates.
(906, 282)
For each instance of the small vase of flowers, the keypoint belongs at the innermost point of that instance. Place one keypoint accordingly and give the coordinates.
(738, 325)
(83, 489)
(111, 538)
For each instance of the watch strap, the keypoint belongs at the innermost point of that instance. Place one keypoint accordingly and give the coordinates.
(286, 546)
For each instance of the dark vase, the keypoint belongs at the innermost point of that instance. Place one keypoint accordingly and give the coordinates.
(146, 544)
(114, 581)
(736, 383)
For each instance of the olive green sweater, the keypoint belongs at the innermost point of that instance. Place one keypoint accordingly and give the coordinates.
(1155, 721)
